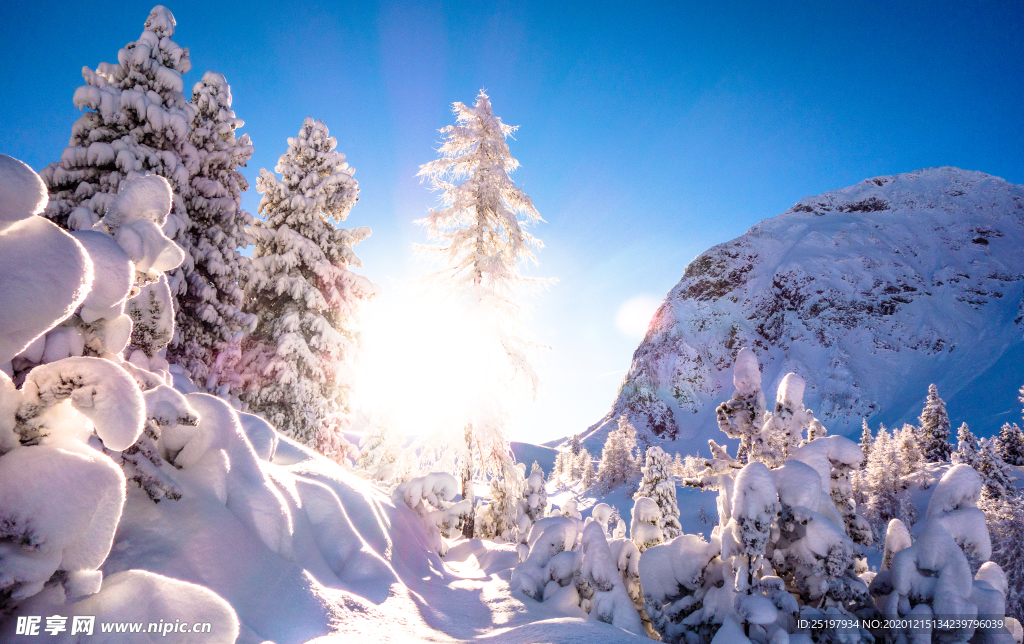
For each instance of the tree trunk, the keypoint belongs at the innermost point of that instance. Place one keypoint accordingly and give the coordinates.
(468, 525)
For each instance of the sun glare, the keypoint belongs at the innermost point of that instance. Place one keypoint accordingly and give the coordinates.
(428, 362)
(634, 315)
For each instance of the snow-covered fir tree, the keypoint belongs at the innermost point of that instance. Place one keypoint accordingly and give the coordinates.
(618, 464)
(658, 484)
(1011, 444)
(209, 313)
(882, 481)
(865, 439)
(935, 428)
(481, 239)
(575, 445)
(562, 467)
(587, 472)
(304, 292)
(997, 479)
(967, 447)
(136, 122)
(909, 444)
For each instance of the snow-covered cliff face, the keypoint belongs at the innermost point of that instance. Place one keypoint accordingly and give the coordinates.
(870, 293)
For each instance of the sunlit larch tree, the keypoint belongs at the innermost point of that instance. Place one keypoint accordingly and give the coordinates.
(479, 234)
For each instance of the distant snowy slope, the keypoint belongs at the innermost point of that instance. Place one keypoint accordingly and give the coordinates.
(870, 293)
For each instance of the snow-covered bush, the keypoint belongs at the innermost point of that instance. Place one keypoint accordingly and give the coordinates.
(304, 293)
(601, 589)
(548, 569)
(932, 575)
(428, 497)
(659, 484)
(742, 416)
(379, 452)
(682, 584)
(645, 527)
(80, 405)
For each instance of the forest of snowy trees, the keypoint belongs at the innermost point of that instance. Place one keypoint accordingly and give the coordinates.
(140, 339)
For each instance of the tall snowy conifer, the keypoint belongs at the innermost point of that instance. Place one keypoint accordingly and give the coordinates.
(481, 238)
(136, 122)
(865, 439)
(618, 464)
(935, 428)
(209, 315)
(304, 293)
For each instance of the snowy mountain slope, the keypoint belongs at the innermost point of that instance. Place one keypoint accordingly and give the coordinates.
(870, 293)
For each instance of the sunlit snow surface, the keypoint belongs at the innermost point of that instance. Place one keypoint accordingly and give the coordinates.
(358, 569)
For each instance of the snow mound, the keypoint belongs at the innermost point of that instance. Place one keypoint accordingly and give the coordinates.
(45, 274)
(22, 192)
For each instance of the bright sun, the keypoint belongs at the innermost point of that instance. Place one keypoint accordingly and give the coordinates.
(428, 362)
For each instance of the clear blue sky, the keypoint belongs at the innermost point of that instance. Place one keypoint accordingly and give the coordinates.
(648, 132)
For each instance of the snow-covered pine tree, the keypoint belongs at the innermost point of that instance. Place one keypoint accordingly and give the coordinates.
(658, 484)
(587, 477)
(1011, 444)
(967, 447)
(935, 428)
(303, 291)
(209, 313)
(575, 445)
(865, 440)
(575, 464)
(677, 465)
(560, 470)
(996, 479)
(481, 238)
(136, 122)
(882, 476)
(536, 468)
(618, 465)
(910, 449)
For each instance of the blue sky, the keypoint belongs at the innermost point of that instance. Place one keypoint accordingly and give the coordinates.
(648, 132)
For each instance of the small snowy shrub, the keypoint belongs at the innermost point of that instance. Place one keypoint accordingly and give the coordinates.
(428, 497)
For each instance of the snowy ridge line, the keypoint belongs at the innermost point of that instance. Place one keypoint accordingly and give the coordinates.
(915, 276)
